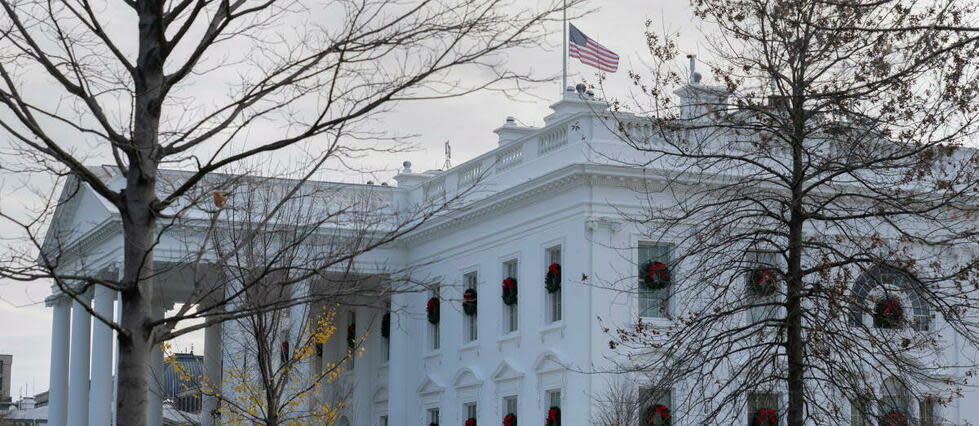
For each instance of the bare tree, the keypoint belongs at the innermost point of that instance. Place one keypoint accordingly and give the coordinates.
(619, 404)
(81, 79)
(817, 211)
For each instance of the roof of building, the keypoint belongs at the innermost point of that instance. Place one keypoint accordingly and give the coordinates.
(172, 384)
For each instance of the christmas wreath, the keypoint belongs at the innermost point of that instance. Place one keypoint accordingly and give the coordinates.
(351, 335)
(888, 313)
(386, 325)
(657, 415)
(432, 309)
(470, 422)
(552, 279)
(895, 418)
(553, 416)
(510, 291)
(469, 302)
(763, 282)
(510, 420)
(655, 275)
(766, 416)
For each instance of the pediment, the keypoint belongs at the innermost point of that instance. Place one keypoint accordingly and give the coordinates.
(430, 386)
(79, 214)
(505, 371)
(466, 378)
(549, 362)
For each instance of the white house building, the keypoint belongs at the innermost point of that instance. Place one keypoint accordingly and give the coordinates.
(548, 195)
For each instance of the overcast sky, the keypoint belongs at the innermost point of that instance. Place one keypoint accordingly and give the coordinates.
(466, 122)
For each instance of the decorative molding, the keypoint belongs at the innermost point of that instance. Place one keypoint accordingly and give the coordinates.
(506, 372)
(593, 224)
(429, 386)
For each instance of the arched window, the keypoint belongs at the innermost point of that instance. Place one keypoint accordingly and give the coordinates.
(891, 297)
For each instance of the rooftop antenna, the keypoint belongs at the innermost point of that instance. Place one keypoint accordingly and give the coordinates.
(693, 67)
(448, 156)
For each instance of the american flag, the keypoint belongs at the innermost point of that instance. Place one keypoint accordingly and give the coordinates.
(589, 52)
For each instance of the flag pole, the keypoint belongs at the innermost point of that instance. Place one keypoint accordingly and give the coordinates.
(564, 50)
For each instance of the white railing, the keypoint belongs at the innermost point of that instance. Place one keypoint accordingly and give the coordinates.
(638, 132)
(435, 189)
(510, 156)
(470, 174)
(552, 140)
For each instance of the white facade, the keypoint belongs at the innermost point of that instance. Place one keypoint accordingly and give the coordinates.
(542, 191)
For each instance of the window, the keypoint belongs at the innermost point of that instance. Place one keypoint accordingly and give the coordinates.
(554, 398)
(928, 412)
(895, 401)
(472, 325)
(470, 410)
(434, 328)
(383, 421)
(762, 287)
(892, 297)
(763, 408)
(654, 303)
(433, 416)
(553, 311)
(858, 413)
(510, 405)
(510, 320)
(656, 403)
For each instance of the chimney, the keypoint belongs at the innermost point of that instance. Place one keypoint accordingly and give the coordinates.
(511, 132)
(26, 403)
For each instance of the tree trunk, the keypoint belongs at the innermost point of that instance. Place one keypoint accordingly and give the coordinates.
(137, 300)
(793, 320)
(139, 219)
(794, 287)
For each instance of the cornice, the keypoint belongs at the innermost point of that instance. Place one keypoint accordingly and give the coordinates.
(532, 191)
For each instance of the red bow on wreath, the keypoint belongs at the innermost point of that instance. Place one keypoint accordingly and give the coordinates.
(470, 422)
(509, 284)
(510, 420)
(891, 307)
(662, 411)
(554, 268)
(765, 276)
(657, 270)
(896, 419)
(767, 415)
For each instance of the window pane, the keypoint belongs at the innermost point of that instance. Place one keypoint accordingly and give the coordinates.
(760, 406)
(510, 405)
(653, 303)
(554, 299)
(554, 398)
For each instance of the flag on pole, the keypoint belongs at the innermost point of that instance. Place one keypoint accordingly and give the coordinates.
(589, 52)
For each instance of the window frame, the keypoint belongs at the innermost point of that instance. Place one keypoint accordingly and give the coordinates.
(511, 313)
(470, 331)
(665, 304)
(554, 303)
(505, 405)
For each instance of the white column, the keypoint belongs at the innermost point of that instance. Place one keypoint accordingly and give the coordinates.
(154, 412)
(78, 383)
(298, 334)
(100, 404)
(212, 372)
(58, 385)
